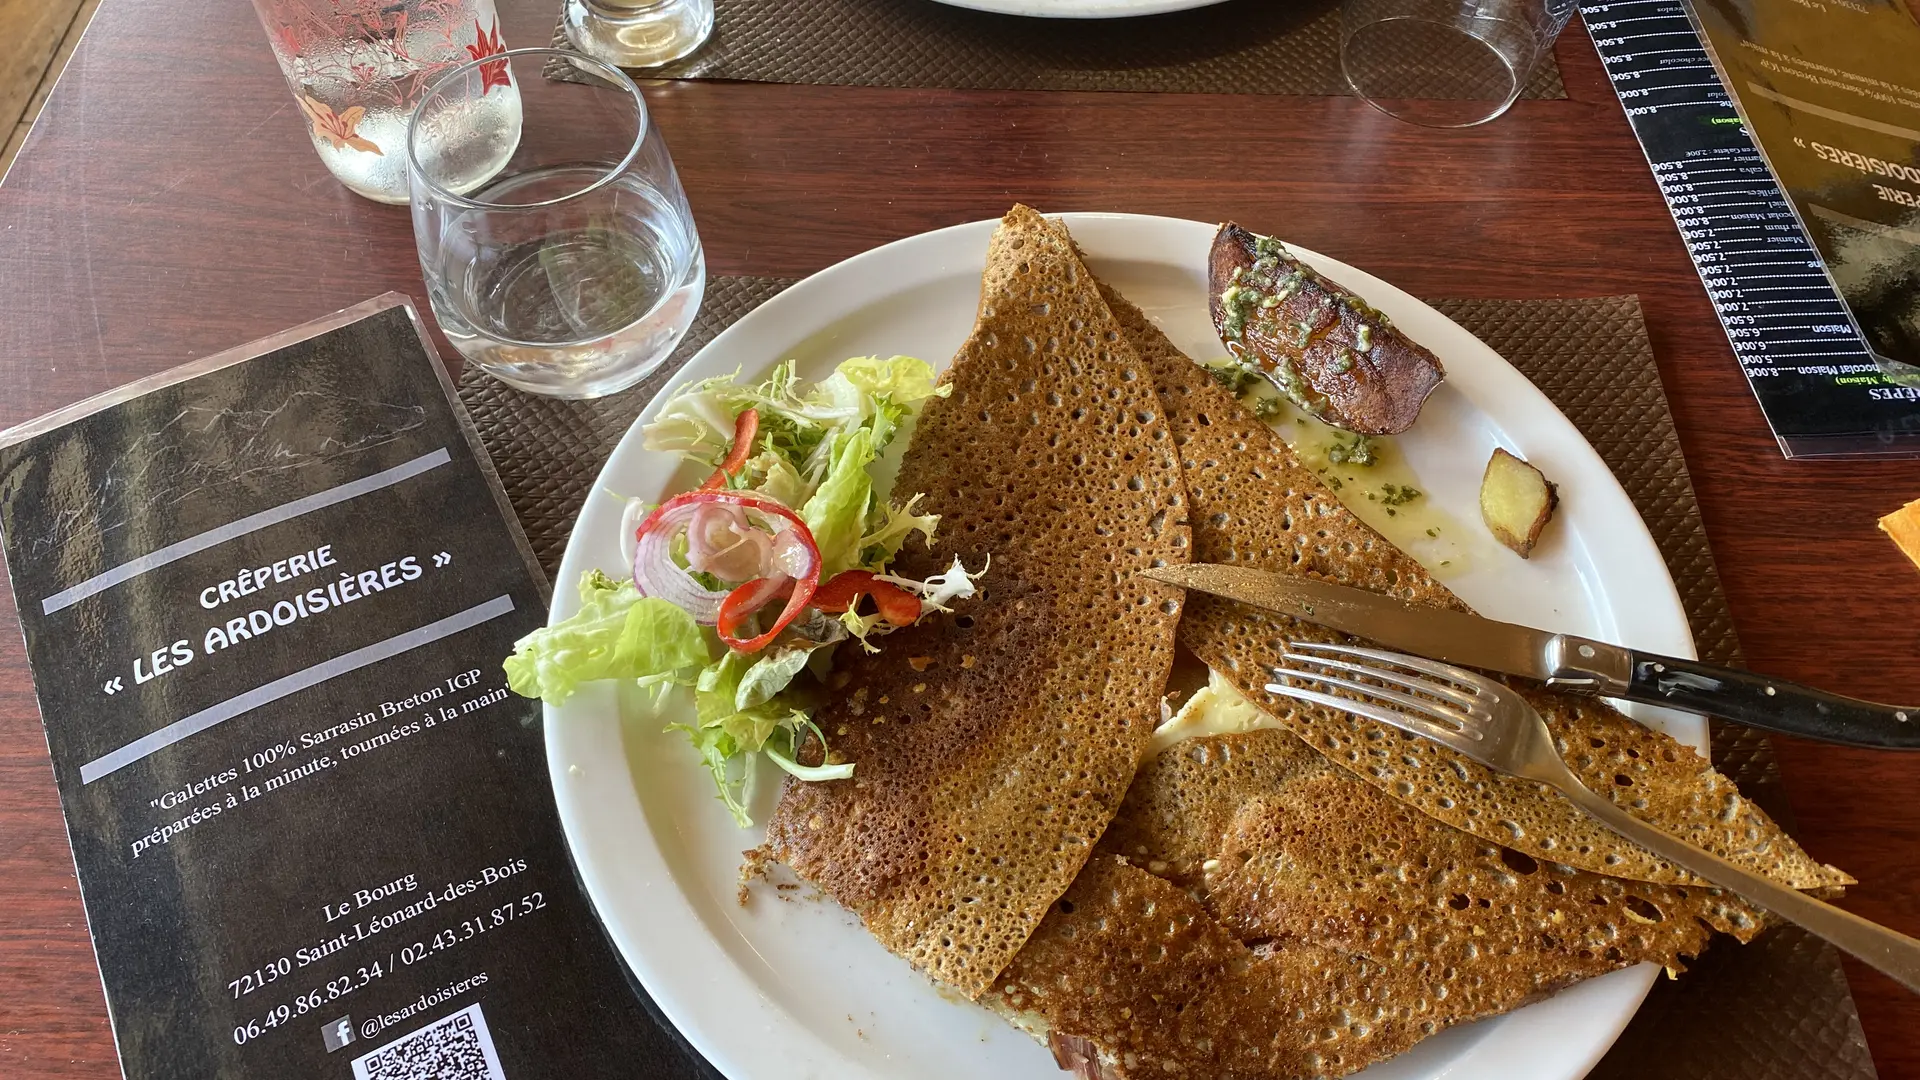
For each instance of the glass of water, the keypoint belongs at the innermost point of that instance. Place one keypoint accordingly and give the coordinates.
(573, 269)
(1446, 63)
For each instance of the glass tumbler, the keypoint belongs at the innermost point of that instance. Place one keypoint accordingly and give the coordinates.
(1446, 63)
(637, 33)
(357, 68)
(573, 270)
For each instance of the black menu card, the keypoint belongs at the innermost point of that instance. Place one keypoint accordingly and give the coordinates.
(265, 600)
(1830, 90)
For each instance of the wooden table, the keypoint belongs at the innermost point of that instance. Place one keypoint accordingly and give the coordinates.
(168, 206)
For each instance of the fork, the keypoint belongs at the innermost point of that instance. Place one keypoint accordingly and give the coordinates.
(1490, 723)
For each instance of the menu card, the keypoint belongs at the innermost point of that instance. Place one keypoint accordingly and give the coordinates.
(1830, 90)
(265, 599)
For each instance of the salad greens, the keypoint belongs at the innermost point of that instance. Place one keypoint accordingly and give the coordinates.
(617, 634)
(820, 451)
(837, 511)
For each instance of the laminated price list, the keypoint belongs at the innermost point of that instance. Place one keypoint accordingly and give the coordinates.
(1787, 323)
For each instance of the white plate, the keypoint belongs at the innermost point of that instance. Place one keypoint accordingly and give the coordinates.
(795, 988)
(1080, 9)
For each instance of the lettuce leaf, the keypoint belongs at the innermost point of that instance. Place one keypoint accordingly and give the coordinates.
(884, 538)
(716, 701)
(837, 512)
(874, 392)
(697, 421)
(617, 634)
(813, 773)
(739, 708)
(901, 380)
(732, 771)
(801, 431)
(938, 590)
(859, 626)
(770, 674)
(778, 480)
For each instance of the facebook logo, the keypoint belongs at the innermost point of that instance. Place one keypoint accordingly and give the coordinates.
(337, 1033)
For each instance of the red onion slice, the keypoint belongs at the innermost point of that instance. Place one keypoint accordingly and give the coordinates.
(656, 574)
(794, 555)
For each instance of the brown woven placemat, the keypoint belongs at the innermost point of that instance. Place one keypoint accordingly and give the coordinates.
(1778, 1009)
(1242, 47)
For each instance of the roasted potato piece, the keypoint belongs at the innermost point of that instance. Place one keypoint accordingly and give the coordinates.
(1516, 501)
(1328, 351)
(1903, 525)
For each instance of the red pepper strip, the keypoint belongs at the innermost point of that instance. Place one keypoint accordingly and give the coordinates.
(743, 601)
(745, 426)
(803, 587)
(796, 602)
(898, 606)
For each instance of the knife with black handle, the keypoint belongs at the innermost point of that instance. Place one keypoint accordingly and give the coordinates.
(1731, 694)
(1562, 660)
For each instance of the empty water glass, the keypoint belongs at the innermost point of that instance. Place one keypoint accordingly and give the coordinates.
(1446, 63)
(574, 269)
(637, 33)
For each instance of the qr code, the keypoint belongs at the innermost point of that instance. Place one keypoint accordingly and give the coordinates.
(456, 1047)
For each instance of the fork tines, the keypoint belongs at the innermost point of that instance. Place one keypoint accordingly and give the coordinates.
(1445, 707)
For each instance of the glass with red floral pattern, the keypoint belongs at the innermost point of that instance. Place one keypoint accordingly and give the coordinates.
(357, 69)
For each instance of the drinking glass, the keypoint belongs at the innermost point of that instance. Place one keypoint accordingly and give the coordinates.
(1446, 63)
(637, 33)
(573, 270)
(357, 68)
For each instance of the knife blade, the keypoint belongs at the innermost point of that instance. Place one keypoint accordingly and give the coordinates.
(1561, 660)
